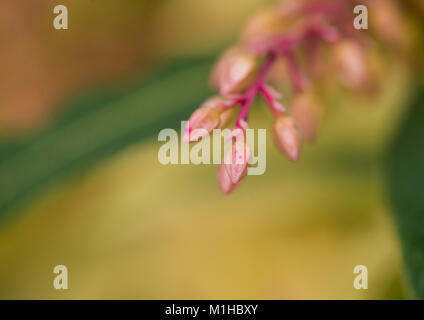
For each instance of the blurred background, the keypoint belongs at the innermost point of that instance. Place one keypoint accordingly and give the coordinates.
(127, 227)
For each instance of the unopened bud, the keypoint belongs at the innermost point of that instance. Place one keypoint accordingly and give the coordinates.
(387, 22)
(261, 29)
(237, 73)
(225, 117)
(286, 137)
(201, 123)
(351, 63)
(224, 180)
(214, 102)
(236, 159)
(307, 113)
(222, 105)
(290, 9)
(222, 64)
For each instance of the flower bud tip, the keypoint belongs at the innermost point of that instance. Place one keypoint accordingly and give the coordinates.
(286, 137)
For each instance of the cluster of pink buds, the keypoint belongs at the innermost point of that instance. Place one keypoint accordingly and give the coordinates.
(291, 33)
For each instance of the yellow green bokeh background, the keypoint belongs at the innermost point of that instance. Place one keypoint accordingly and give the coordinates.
(131, 228)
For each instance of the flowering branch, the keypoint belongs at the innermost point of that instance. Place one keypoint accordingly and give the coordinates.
(258, 86)
(275, 36)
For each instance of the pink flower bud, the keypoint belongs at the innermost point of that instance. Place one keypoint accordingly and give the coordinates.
(224, 180)
(307, 113)
(351, 66)
(387, 22)
(286, 137)
(225, 117)
(261, 29)
(222, 64)
(290, 9)
(236, 73)
(236, 159)
(216, 102)
(221, 103)
(201, 123)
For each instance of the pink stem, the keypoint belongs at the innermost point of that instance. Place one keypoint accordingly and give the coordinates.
(254, 89)
(271, 101)
(284, 46)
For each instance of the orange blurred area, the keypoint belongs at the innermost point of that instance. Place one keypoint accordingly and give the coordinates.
(107, 41)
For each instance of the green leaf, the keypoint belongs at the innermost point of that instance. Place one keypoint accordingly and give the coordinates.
(98, 126)
(406, 189)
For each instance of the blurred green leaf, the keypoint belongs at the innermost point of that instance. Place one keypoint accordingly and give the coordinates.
(406, 187)
(98, 126)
